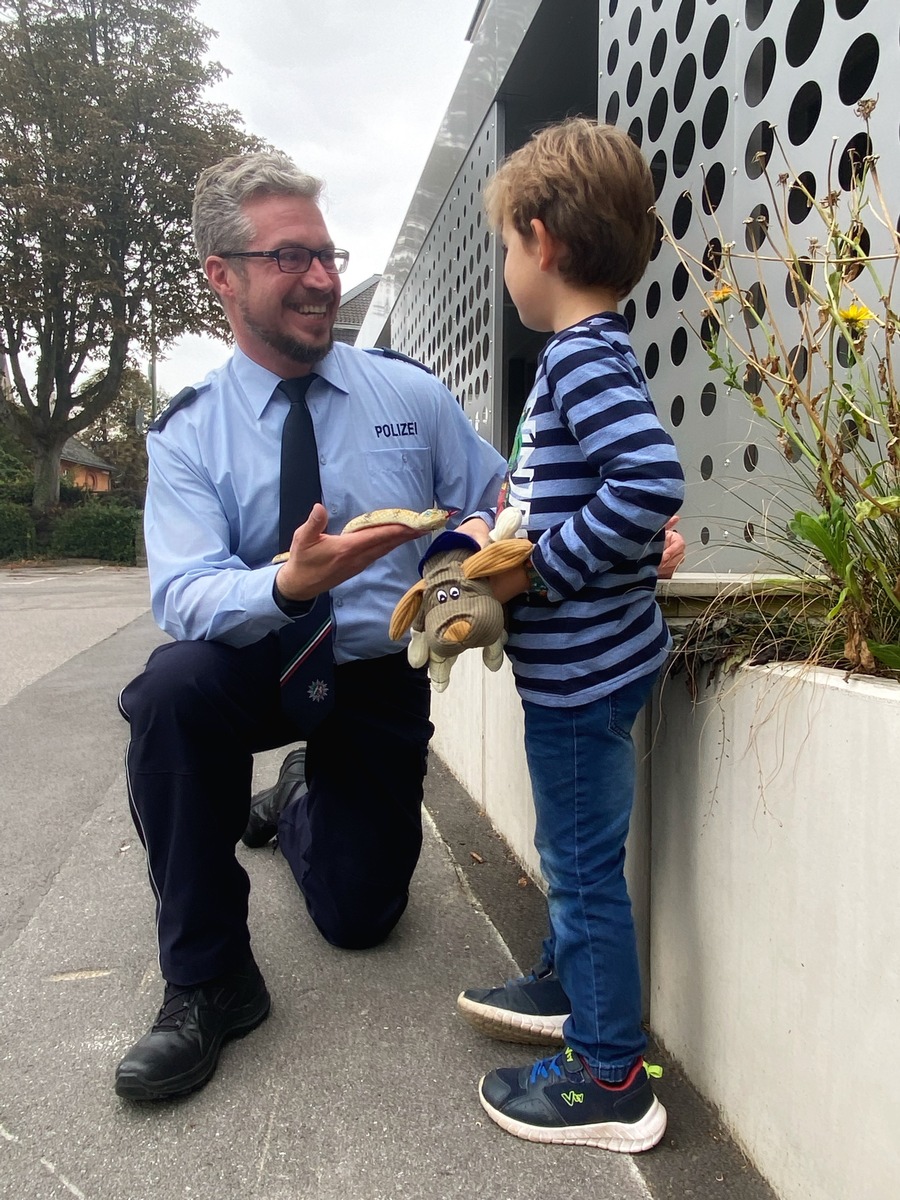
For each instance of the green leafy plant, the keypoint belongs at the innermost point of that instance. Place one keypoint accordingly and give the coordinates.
(104, 531)
(17, 536)
(822, 380)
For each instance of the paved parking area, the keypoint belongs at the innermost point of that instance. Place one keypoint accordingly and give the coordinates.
(48, 614)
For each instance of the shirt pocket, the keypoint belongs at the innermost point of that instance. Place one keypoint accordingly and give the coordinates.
(399, 478)
(390, 478)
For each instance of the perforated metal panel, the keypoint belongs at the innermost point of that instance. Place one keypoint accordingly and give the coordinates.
(448, 311)
(697, 82)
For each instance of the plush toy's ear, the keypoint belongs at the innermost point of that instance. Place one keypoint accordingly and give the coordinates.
(499, 556)
(406, 610)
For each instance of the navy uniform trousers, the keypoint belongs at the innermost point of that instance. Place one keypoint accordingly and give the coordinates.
(198, 713)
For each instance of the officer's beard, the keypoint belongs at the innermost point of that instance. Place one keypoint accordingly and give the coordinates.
(303, 353)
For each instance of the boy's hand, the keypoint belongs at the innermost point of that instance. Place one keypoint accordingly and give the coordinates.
(508, 584)
(673, 552)
(476, 529)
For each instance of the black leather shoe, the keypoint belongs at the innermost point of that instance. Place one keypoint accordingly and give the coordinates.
(265, 807)
(181, 1051)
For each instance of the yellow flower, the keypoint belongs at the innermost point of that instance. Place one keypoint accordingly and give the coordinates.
(855, 317)
(720, 295)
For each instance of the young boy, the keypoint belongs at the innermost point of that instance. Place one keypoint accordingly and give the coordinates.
(596, 478)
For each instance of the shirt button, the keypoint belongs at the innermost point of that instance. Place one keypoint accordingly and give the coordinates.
(338, 603)
(322, 460)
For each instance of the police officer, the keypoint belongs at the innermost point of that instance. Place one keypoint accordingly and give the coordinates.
(381, 432)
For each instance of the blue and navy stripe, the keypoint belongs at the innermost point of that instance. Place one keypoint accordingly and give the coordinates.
(597, 477)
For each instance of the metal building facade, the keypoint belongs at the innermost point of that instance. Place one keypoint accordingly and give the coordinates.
(698, 84)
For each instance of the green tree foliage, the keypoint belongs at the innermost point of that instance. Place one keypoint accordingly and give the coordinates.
(118, 434)
(104, 126)
(15, 461)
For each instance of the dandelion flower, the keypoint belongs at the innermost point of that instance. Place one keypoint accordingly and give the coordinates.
(855, 317)
(720, 295)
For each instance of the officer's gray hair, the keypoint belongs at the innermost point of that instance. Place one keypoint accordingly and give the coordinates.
(219, 223)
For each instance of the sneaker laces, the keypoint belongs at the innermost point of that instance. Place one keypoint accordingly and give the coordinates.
(538, 971)
(544, 1066)
(175, 1006)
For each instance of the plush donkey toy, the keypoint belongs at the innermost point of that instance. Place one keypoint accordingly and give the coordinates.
(452, 607)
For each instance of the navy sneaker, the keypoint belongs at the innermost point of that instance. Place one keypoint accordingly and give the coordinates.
(530, 1009)
(558, 1100)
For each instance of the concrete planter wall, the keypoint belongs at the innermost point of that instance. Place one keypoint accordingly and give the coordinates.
(775, 956)
(766, 901)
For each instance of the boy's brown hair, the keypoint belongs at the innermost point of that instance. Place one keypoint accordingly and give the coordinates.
(592, 188)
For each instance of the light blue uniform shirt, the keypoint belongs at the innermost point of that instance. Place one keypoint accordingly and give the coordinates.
(388, 434)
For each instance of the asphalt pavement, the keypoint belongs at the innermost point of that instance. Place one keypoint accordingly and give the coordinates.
(360, 1086)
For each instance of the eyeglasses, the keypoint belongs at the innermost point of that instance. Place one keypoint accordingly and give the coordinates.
(295, 260)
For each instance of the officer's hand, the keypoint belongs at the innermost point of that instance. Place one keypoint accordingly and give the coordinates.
(318, 561)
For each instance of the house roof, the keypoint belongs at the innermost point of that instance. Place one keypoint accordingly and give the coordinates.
(76, 452)
(353, 309)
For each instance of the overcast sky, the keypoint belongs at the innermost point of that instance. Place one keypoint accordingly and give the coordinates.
(354, 91)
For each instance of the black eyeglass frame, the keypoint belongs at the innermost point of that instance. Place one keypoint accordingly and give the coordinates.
(341, 258)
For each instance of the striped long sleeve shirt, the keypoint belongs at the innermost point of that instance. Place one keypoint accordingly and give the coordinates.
(596, 478)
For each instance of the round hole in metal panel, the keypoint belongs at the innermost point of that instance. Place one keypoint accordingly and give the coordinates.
(805, 110)
(716, 46)
(681, 215)
(755, 12)
(759, 149)
(685, 79)
(760, 71)
(658, 52)
(858, 68)
(633, 86)
(656, 117)
(684, 20)
(715, 117)
(683, 150)
(756, 227)
(799, 202)
(853, 156)
(803, 31)
(652, 299)
(850, 8)
(713, 188)
(680, 281)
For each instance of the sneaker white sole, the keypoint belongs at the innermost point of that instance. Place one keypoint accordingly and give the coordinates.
(611, 1135)
(509, 1026)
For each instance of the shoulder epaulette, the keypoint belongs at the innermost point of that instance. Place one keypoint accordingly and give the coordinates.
(186, 396)
(387, 352)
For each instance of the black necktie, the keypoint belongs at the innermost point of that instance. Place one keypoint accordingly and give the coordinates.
(307, 660)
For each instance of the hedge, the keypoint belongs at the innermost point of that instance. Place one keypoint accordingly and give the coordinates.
(104, 531)
(16, 530)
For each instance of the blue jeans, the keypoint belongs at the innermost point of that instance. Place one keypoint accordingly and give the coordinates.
(581, 762)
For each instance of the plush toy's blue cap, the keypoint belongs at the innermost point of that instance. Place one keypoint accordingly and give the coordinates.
(448, 540)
